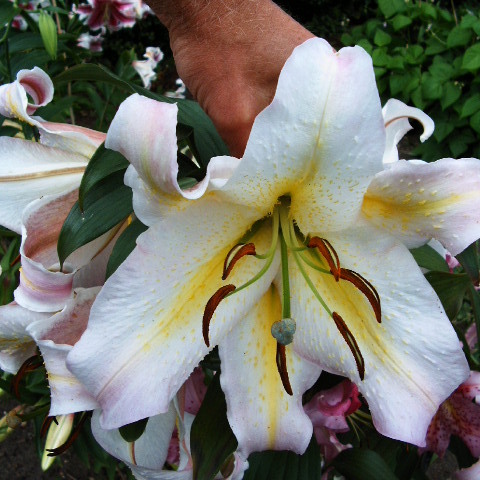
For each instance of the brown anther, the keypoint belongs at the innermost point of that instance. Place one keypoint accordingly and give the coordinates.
(351, 342)
(247, 249)
(282, 368)
(53, 452)
(46, 424)
(210, 308)
(366, 288)
(328, 253)
(15, 260)
(29, 365)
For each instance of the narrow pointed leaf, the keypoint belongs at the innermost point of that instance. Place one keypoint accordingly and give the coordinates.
(212, 440)
(469, 260)
(430, 259)
(124, 245)
(272, 465)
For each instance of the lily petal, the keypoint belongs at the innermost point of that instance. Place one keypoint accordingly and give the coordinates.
(55, 337)
(395, 115)
(192, 253)
(29, 171)
(420, 351)
(319, 141)
(16, 345)
(262, 415)
(420, 201)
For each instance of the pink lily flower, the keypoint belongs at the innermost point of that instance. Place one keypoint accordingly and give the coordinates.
(113, 14)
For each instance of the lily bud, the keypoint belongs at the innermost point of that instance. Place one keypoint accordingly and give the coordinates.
(57, 435)
(10, 422)
(48, 31)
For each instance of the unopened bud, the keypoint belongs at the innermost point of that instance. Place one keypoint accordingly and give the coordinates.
(48, 31)
(57, 435)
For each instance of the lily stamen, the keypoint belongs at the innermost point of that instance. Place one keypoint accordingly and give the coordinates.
(366, 288)
(351, 342)
(328, 253)
(210, 308)
(28, 366)
(53, 452)
(281, 359)
(240, 251)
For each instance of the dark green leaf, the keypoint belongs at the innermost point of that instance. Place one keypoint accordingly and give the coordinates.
(432, 88)
(471, 106)
(108, 204)
(362, 464)
(471, 58)
(391, 7)
(103, 163)
(25, 41)
(450, 288)
(133, 431)
(212, 440)
(401, 21)
(442, 130)
(7, 12)
(278, 465)
(469, 261)
(458, 37)
(475, 122)
(451, 93)
(124, 245)
(381, 38)
(429, 258)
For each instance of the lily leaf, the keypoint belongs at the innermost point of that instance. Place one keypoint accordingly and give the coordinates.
(212, 440)
(109, 202)
(469, 260)
(133, 431)
(207, 140)
(362, 464)
(450, 288)
(124, 245)
(429, 258)
(271, 465)
(103, 163)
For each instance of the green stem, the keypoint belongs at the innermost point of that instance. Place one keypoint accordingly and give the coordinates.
(285, 279)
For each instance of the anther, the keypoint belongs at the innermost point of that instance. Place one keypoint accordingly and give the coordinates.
(210, 308)
(351, 342)
(53, 452)
(283, 330)
(28, 365)
(247, 249)
(366, 288)
(281, 358)
(328, 253)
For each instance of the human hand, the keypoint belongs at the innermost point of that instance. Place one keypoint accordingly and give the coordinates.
(229, 53)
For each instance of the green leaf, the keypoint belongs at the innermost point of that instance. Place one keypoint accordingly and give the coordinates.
(471, 106)
(450, 288)
(103, 163)
(475, 301)
(7, 12)
(442, 130)
(471, 58)
(270, 465)
(391, 7)
(432, 88)
(451, 93)
(428, 11)
(124, 245)
(380, 57)
(212, 440)
(475, 122)
(362, 464)
(381, 38)
(108, 204)
(429, 258)
(469, 261)
(458, 37)
(434, 46)
(399, 22)
(207, 140)
(413, 54)
(133, 431)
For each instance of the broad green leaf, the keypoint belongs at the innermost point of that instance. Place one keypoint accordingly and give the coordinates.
(212, 440)
(475, 122)
(469, 261)
(428, 10)
(362, 464)
(471, 58)
(428, 258)
(103, 163)
(468, 21)
(276, 465)
(207, 141)
(434, 46)
(7, 12)
(442, 130)
(450, 288)
(457, 146)
(24, 41)
(107, 204)
(133, 431)
(413, 54)
(380, 57)
(391, 7)
(451, 93)
(432, 88)
(381, 38)
(471, 106)
(401, 21)
(458, 37)
(124, 245)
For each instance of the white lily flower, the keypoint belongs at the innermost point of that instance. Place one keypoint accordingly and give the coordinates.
(311, 232)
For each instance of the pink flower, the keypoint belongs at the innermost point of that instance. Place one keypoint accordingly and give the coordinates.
(458, 415)
(91, 42)
(114, 14)
(328, 410)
